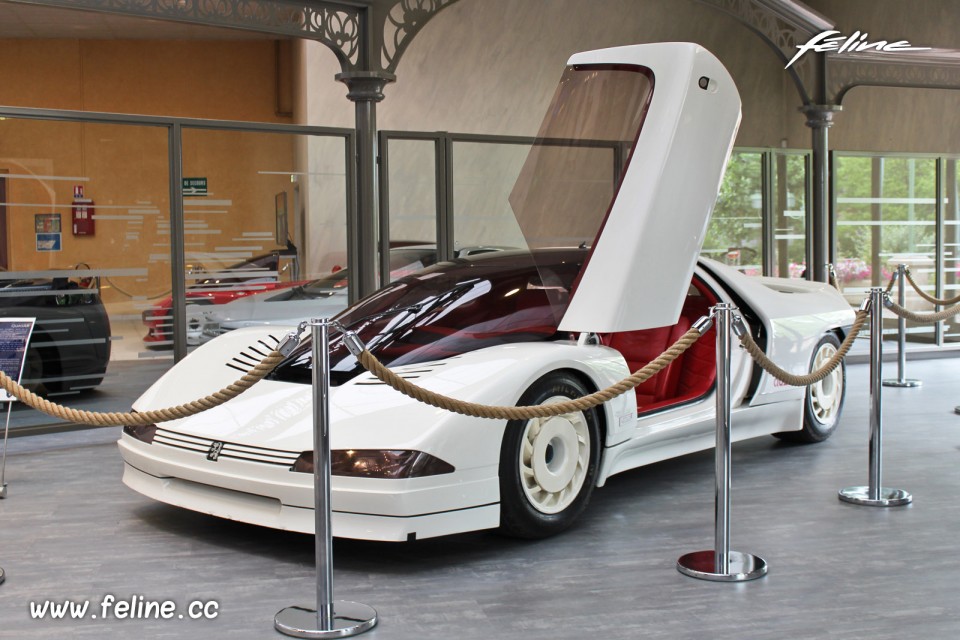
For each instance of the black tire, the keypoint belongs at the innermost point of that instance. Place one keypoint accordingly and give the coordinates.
(823, 402)
(531, 505)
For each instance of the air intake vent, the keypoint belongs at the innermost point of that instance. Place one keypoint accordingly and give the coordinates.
(410, 372)
(251, 356)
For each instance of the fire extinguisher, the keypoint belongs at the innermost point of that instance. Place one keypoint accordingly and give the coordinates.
(83, 222)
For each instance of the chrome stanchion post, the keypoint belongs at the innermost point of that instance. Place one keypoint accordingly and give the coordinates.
(330, 619)
(720, 564)
(3, 469)
(875, 494)
(901, 336)
(3, 465)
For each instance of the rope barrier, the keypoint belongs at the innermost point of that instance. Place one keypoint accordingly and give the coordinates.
(748, 343)
(113, 419)
(893, 280)
(923, 294)
(583, 403)
(385, 375)
(922, 317)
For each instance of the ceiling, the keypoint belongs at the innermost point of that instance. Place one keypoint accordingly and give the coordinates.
(29, 21)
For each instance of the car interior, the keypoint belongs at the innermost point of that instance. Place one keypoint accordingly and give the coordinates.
(687, 378)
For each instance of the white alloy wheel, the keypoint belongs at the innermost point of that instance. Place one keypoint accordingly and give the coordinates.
(553, 459)
(826, 396)
(823, 401)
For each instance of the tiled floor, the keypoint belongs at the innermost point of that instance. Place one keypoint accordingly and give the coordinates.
(70, 530)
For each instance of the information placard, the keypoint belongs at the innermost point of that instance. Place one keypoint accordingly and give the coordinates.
(14, 338)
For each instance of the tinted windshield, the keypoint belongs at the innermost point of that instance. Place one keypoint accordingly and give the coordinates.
(450, 309)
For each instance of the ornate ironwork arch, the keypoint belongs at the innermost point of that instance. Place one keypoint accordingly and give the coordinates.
(937, 69)
(365, 35)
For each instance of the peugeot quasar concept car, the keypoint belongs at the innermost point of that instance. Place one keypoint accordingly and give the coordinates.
(609, 278)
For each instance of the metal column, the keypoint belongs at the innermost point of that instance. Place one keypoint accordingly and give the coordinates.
(820, 119)
(365, 90)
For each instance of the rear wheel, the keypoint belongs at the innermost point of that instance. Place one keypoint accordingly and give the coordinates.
(824, 400)
(548, 466)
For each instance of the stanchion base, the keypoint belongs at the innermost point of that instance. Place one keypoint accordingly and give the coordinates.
(2, 577)
(888, 497)
(905, 384)
(3, 492)
(956, 410)
(743, 566)
(349, 619)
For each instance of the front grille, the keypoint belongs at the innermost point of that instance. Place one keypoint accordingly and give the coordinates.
(251, 356)
(203, 446)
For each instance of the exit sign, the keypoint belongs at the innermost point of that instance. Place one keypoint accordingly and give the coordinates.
(194, 186)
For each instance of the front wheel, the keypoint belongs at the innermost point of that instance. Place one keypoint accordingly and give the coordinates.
(824, 400)
(548, 466)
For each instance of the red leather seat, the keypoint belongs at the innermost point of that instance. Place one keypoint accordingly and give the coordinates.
(689, 376)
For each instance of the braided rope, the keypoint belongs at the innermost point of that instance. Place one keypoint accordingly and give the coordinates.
(113, 419)
(583, 403)
(923, 294)
(923, 317)
(748, 343)
(832, 280)
(893, 280)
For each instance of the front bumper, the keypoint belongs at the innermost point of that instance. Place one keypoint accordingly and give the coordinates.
(273, 496)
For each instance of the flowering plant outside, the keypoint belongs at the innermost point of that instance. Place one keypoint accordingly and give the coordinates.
(851, 269)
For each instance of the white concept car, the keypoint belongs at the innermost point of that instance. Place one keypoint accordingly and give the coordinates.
(609, 280)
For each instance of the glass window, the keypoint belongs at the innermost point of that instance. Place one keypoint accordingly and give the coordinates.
(886, 215)
(270, 216)
(735, 234)
(412, 188)
(950, 271)
(84, 231)
(484, 173)
(789, 208)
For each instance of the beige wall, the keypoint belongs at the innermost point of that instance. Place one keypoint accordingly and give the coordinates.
(897, 119)
(489, 66)
(474, 69)
(200, 79)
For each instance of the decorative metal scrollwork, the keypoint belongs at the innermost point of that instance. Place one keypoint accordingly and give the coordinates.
(401, 24)
(887, 71)
(337, 26)
(392, 23)
(778, 34)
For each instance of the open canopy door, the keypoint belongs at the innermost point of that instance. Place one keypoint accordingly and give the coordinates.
(674, 110)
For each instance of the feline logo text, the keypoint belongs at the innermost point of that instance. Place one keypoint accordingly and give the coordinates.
(835, 41)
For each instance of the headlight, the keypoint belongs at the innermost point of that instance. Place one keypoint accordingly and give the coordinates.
(142, 432)
(372, 463)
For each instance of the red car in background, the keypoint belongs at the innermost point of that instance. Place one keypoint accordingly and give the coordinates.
(255, 275)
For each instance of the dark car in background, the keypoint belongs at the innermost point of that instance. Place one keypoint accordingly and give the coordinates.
(70, 346)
